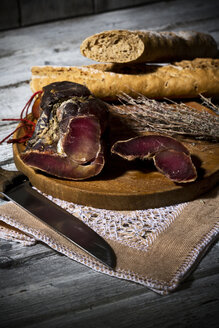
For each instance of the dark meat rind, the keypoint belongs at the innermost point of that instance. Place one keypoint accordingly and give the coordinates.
(60, 91)
(170, 156)
(176, 165)
(67, 141)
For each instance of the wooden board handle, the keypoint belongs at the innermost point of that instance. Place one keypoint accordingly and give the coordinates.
(8, 178)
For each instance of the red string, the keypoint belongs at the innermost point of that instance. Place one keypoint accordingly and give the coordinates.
(27, 124)
(28, 104)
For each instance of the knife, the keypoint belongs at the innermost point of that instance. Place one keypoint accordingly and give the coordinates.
(16, 187)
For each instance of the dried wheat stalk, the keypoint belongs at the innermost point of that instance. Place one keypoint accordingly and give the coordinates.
(143, 114)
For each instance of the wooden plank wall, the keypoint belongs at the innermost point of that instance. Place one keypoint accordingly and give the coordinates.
(19, 13)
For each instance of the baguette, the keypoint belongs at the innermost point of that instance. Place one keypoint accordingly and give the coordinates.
(124, 46)
(185, 79)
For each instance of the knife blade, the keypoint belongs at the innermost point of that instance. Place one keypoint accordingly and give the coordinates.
(16, 187)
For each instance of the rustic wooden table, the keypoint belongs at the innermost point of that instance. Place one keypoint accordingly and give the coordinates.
(41, 288)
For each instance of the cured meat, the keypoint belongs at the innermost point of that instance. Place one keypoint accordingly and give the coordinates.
(146, 146)
(170, 156)
(176, 165)
(68, 137)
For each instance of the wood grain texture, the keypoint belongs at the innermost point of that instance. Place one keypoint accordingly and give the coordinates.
(38, 286)
(124, 185)
(58, 43)
(35, 12)
(103, 6)
(57, 292)
(18, 13)
(9, 14)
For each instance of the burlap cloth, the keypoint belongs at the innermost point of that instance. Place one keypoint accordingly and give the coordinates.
(158, 248)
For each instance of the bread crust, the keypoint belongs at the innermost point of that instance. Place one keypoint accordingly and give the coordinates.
(124, 46)
(185, 79)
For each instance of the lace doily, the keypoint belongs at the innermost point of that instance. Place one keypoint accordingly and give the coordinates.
(136, 229)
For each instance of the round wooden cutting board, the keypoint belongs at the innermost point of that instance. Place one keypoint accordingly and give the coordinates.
(124, 185)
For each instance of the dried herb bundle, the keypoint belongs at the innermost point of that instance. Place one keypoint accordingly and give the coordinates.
(143, 114)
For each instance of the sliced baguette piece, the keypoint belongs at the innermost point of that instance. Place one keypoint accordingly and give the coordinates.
(124, 46)
(185, 79)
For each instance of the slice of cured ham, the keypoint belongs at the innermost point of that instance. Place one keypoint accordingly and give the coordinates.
(176, 165)
(68, 138)
(170, 156)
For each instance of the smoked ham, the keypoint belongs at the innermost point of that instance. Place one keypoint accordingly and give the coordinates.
(170, 156)
(68, 137)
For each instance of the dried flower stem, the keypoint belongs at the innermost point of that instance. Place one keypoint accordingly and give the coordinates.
(143, 114)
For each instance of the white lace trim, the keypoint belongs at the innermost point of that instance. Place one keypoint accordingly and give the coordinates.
(10, 234)
(137, 229)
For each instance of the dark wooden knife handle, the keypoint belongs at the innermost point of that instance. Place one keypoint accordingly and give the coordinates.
(8, 178)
